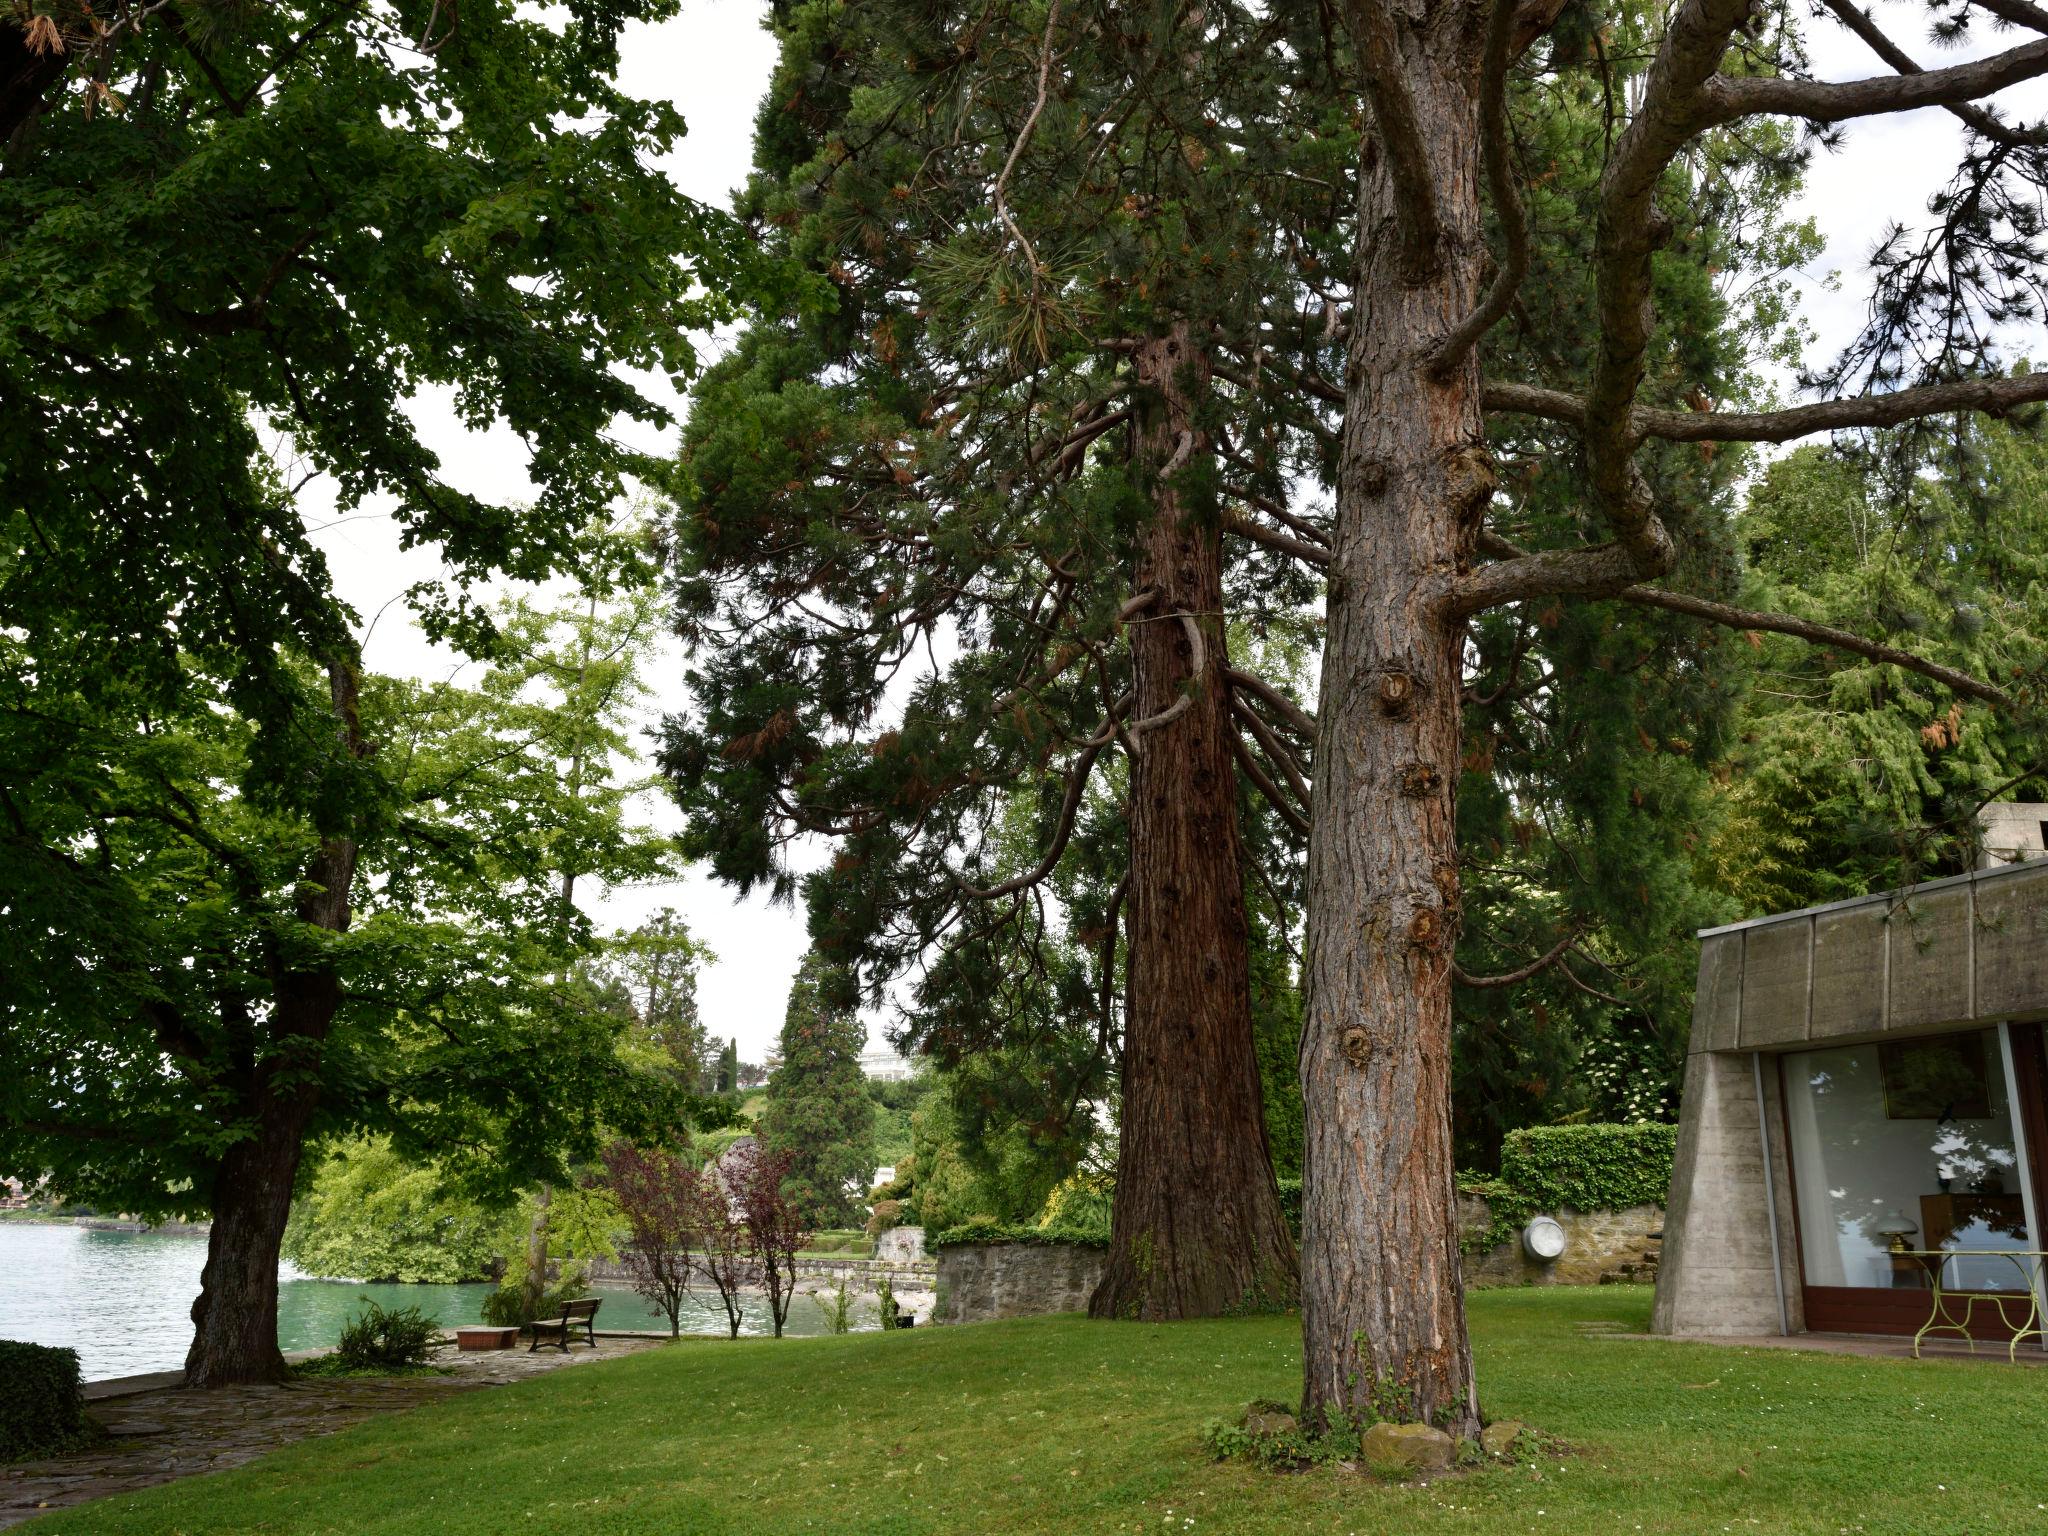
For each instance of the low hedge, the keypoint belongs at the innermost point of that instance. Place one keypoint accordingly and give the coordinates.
(1549, 1168)
(1018, 1232)
(1543, 1168)
(42, 1406)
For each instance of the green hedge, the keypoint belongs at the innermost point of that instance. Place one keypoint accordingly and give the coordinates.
(1550, 1168)
(42, 1410)
(1544, 1168)
(1008, 1232)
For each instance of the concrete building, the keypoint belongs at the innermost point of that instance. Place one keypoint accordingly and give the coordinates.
(1866, 1109)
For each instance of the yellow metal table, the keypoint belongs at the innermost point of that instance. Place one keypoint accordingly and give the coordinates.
(2019, 1312)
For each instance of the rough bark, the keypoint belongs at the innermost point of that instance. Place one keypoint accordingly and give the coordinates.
(234, 1319)
(1383, 1313)
(1197, 1228)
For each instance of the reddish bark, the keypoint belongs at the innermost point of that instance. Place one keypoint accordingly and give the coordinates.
(1196, 1228)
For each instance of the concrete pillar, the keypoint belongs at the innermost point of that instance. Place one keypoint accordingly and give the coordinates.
(1717, 1275)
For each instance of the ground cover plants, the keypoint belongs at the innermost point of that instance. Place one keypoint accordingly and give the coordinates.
(1058, 1424)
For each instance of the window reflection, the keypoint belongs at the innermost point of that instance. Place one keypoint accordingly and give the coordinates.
(1906, 1146)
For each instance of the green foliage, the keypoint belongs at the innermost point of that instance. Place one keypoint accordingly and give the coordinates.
(1574, 1167)
(837, 1308)
(42, 1409)
(512, 1306)
(884, 1215)
(818, 1110)
(1267, 1435)
(1851, 775)
(651, 972)
(1028, 1233)
(977, 1157)
(387, 1339)
(369, 1214)
(1081, 1201)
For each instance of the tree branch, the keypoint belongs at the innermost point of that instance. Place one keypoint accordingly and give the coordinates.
(1401, 138)
(1824, 101)
(1266, 787)
(1315, 554)
(1819, 634)
(1507, 197)
(1544, 962)
(1303, 723)
(1858, 20)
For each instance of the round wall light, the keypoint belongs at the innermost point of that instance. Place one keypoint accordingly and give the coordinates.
(1543, 1239)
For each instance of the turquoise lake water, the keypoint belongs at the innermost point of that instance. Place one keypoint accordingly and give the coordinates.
(123, 1300)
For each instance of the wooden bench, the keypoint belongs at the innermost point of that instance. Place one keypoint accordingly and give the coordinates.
(581, 1311)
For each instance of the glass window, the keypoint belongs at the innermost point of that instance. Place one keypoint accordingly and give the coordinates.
(1906, 1145)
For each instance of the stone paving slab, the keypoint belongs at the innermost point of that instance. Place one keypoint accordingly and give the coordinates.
(159, 1434)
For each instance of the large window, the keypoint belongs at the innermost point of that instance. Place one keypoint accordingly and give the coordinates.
(1906, 1146)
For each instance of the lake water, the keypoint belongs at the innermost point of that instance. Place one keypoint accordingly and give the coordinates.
(123, 1300)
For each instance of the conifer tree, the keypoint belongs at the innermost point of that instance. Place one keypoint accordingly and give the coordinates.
(819, 1115)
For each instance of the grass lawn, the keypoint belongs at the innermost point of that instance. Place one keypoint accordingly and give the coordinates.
(1062, 1425)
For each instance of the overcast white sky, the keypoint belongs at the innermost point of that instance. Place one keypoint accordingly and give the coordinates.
(713, 62)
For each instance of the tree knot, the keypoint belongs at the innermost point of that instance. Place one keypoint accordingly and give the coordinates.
(1420, 780)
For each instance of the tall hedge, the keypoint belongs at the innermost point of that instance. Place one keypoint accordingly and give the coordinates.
(42, 1405)
(1548, 1168)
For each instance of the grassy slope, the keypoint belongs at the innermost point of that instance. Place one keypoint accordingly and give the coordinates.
(1060, 1425)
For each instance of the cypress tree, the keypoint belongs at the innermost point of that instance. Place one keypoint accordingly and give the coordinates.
(819, 1112)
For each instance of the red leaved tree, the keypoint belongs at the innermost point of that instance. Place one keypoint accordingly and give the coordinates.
(775, 1229)
(724, 1247)
(660, 1195)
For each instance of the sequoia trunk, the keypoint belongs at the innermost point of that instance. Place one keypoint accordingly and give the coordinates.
(1383, 1312)
(1196, 1229)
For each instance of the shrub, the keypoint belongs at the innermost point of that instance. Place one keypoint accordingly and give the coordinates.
(387, 1339)
(42, 1409)
(1006, 1232)
(837, 1305)
(506, 1306)
(886, 1214)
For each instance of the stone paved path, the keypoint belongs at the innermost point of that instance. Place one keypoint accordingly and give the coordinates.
(162, 1434)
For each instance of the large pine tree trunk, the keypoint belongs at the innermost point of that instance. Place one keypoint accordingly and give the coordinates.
(1196, 1229)
(1383, 1313)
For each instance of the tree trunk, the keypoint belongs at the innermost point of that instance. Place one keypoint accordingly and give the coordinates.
(1196, 1229)
(234, 1319)
(1383, 1310)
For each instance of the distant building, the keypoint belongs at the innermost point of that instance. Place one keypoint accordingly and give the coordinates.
(886, 1066)
(2014, 831)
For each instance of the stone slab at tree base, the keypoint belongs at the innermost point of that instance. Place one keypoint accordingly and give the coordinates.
(1418, 1447)
(473, 1339)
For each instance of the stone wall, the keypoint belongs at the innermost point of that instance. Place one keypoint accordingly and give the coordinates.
(979, 1282)
(1601, 1248)
(900, 1245)
(859, 1273)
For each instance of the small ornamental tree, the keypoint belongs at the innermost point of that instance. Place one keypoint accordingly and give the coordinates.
(660, 1194)
(775, 1224)
(724, 1251)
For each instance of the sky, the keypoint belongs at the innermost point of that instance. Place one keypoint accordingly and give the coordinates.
(713, 62)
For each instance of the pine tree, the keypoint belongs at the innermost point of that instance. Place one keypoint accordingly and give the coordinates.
(818, 1111)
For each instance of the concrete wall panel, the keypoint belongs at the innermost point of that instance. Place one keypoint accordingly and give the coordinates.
(2012, 944)
(1776, 984)
(1717, 1004)
(1930, 960)
(1848, 972)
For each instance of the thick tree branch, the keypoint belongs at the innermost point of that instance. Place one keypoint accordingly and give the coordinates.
(1265, 786)
(1544, 962)
(1197, 665)
(1245, 528)
(1994, 396)
(1070, 805)
(1274, 748)
(1858, 20)
(1299, 721)
(1507, 196)
(1401, 136)
(1823, 101)
(1819, 634)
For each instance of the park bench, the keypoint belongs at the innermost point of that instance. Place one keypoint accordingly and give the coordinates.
(582, 1311)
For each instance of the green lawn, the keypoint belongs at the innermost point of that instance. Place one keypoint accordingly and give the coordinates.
(1061, 1425)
